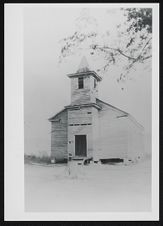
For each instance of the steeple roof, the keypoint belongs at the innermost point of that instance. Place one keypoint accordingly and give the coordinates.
(83, 66)
(84, 69)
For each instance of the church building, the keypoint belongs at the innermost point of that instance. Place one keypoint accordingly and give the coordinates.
(90, 128)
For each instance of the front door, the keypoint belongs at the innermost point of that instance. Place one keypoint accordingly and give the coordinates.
(80, 145)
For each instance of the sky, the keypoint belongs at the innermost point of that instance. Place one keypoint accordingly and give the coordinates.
(46, 86)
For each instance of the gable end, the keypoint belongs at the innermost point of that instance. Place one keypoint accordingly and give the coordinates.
(54, 118)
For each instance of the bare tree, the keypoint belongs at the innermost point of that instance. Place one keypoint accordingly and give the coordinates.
(132, 45)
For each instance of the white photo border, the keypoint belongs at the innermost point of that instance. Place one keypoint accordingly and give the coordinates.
(14, 124)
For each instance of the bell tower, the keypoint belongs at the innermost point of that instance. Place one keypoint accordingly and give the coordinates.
(84, 84)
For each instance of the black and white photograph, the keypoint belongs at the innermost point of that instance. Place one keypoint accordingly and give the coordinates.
(87, 99)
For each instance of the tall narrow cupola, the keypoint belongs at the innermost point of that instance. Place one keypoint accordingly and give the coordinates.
(84, 84)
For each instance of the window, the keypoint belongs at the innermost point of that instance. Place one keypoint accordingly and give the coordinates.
(95, 83)
(80, 83)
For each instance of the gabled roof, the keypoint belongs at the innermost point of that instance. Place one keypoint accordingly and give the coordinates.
(125, 114)
(53, 118)
(98, 101)
(97, 105)
(74, 107)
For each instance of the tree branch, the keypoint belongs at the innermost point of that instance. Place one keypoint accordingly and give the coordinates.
(116, 49)
(144, 48)
(145, 58)
(125, 55)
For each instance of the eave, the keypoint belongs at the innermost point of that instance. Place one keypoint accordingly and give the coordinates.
(78, 74)
(83, 105)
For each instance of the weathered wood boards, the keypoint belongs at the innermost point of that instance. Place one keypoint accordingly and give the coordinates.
(80, 123)
(109, 132)
(59, 136)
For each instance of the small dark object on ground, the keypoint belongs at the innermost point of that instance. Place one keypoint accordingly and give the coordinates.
(62, 161)
(87, 161)
(111, 161)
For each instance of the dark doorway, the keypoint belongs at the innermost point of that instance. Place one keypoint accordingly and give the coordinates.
(80, 145)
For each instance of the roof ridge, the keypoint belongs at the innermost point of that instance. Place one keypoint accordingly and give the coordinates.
(131, 117)
(112, 106)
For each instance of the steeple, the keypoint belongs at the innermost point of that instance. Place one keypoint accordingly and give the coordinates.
(83, 66)
(84, 84)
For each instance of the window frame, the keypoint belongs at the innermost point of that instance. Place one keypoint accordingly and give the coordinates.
(80, 83)
(95, 83)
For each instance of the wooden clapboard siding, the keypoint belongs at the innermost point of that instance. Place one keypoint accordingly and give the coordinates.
(110, 132)
(80, 96)
(113, 138)
(59, 136)
(119, 136)
(95, 132)
(93, 90)
(80, 116)
(136, 140)
(86, 95)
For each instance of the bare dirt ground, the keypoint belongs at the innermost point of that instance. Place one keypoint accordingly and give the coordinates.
(91, 188)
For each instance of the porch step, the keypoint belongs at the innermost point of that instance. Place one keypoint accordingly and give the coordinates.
(78, 158)
(82, 160)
